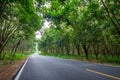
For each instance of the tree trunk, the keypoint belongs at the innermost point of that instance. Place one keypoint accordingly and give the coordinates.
(67, 51)
(85, 50)
(78, 50)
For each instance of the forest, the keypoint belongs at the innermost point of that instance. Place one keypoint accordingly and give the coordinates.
(18, 22)
(87, 29)
(83, 28)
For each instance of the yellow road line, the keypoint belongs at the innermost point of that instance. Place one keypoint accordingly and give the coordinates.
(114, 77)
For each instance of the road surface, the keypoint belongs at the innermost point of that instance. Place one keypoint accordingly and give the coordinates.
(50, 68)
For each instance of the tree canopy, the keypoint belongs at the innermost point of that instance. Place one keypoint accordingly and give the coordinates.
(78, 27)
(18, 22)
(83, 27)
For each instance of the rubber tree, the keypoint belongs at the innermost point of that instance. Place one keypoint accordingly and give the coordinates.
(17, 16)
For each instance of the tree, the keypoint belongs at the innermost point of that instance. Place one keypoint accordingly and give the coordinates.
(94, 24)
(19, 21)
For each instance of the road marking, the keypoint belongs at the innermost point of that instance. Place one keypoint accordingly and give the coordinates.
(21, 70)
(114, 77)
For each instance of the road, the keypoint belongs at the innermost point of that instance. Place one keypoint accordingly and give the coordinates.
(50, 68)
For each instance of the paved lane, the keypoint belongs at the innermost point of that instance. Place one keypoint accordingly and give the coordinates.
(50, 68)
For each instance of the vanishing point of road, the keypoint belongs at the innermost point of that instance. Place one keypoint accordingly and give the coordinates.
(39, 67)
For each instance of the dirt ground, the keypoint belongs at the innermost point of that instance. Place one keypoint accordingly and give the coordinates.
(8, 71)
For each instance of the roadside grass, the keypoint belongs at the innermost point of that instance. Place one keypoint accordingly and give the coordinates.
(18, 56)
(92, 58)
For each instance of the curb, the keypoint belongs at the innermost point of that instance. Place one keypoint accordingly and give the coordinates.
(18, 71)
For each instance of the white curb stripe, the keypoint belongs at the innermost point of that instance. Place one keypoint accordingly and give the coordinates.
(21, 70)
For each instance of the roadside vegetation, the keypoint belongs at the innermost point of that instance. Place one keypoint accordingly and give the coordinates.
(83, 29)
(17, 57)
(18, 23)
(92, 58)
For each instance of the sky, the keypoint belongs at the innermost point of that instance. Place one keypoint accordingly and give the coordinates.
(40, 32)
(46, 24)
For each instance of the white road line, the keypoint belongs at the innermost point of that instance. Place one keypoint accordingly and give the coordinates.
(21, 70)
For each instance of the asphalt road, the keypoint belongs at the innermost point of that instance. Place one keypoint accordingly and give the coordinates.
(49, 68)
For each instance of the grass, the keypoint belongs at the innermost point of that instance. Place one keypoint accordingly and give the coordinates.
(109, 60)
(18, 56)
